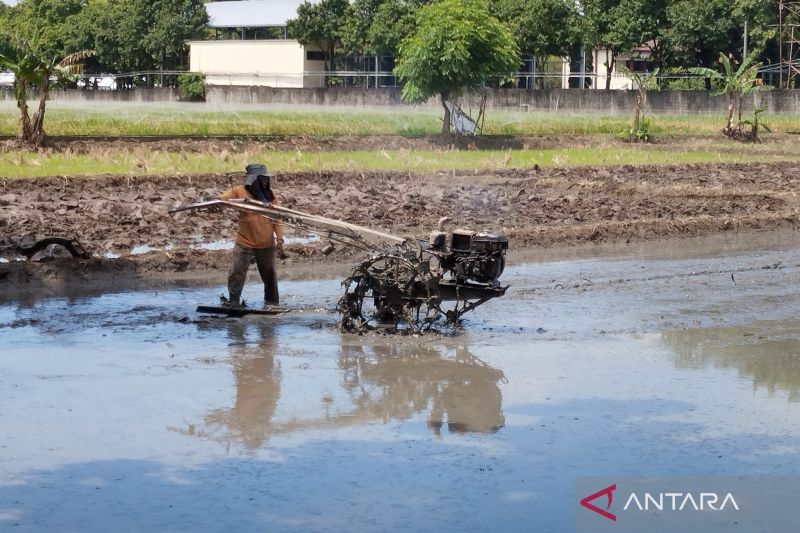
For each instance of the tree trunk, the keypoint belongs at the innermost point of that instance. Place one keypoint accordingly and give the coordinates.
(37, 130)
(739, 109)
(609, 68)
(637, 114)
(729, 125)
(21, 93)
(446, 121)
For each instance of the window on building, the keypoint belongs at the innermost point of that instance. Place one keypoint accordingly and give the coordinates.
(315, 55)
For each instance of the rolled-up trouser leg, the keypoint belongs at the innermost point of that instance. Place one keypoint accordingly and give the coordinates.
(242, 257)
(265, 260)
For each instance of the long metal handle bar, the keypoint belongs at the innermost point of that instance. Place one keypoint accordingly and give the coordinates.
(345, 232)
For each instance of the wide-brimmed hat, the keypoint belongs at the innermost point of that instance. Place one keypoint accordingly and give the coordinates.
(257, 169)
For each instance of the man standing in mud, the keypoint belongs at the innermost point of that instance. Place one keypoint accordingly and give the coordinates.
(257, 239)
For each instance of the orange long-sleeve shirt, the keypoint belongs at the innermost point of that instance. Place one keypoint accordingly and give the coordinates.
(255, 231)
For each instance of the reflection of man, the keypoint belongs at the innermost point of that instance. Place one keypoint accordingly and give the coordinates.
(257, 238)
(258, 388)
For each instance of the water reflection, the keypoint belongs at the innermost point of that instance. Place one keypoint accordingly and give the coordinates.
(375, 380)
(258, 386)
(767, 352)
(388, 380)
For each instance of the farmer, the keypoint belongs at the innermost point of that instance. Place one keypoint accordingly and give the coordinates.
(257, 238)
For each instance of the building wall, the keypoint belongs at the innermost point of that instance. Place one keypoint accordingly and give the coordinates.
(618, 80)
(269, 63)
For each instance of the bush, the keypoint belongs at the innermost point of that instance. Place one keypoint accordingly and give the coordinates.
(640, 134)
(192, 87)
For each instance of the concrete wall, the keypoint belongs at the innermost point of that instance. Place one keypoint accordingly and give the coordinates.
(166, 94)
(155, 95)
(272, 63)
(566, 100)
(562, 100)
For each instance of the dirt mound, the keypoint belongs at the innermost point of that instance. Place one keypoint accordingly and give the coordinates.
(538, 207)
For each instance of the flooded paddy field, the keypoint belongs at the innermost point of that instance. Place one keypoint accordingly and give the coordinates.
(127, 411)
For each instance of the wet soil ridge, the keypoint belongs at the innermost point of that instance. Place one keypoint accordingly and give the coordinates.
(534, 207)
(778, 144)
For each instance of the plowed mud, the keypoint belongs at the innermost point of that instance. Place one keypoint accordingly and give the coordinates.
(534, 207)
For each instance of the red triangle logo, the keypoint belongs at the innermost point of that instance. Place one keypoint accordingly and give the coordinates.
(609, 493)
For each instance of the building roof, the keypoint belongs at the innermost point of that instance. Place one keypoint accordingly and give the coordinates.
(251, 13)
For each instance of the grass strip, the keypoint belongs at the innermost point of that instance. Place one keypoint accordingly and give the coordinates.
(192, 119)
(142, 161)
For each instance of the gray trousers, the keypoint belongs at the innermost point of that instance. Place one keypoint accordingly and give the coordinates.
(265, 261)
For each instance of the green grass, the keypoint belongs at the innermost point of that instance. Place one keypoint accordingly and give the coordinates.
(144, 161)
(196, 119)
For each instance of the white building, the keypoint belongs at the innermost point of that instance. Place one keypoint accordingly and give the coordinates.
(267, 62)
(637, 61)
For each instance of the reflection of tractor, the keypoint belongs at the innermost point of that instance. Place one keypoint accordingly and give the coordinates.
(405, 281)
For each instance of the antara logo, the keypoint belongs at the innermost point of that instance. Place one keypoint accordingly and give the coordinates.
(608, 492)
(660, 501)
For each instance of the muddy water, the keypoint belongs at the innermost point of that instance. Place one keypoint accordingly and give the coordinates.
(128, 412)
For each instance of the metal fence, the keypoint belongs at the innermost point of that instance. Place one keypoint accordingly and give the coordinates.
(770, 75)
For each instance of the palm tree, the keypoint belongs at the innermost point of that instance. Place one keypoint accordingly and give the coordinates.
(734, 83)
(31, 70)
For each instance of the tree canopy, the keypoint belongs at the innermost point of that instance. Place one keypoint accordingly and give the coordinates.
(320, 24)
(378, 26)
(456, 45)
(125, 35)
(135, 35)
(542, 28)
(696, 32)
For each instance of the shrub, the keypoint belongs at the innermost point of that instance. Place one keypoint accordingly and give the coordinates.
(192, 87)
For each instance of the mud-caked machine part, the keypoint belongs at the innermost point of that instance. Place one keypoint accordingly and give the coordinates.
(390, 289)
(30, 247)
(403, 291)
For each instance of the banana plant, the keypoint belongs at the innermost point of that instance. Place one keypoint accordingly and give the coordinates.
(639, 128)
(756, 125)
(734, 83)
(32, 70)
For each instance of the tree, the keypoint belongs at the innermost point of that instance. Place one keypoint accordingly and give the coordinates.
(698, 31)
(117, 30)
(379, 26)
(735, 84)
(639, 128)
(457, 45)
(642, 22)
(605, 26)
(171, 24)
(5, 43)
(320, 24)
(51, 21)
(136, 35)
(38, 42)
(542, 27)
(33, 69)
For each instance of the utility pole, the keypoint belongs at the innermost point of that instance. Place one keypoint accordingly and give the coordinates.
(583, 68)
(744, 54)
